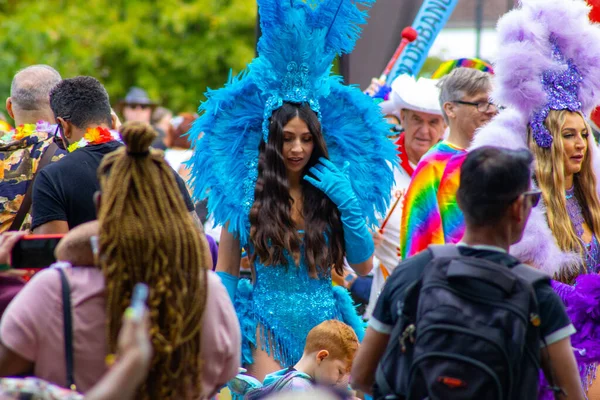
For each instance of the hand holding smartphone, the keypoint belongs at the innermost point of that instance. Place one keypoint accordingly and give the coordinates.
(34, 251)
(138, 301)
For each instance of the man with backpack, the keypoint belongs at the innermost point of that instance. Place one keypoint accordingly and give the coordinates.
(470, 321)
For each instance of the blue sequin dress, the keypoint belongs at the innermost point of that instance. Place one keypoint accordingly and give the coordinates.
(285, 303)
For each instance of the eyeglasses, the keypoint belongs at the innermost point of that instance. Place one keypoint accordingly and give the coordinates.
(482, 106)
(59, 138)
(533, 196)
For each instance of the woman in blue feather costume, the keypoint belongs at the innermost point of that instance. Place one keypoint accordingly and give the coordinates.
(296, 166)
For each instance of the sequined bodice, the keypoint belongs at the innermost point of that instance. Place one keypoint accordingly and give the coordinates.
(284, 303)
(289, 298)
(592, 249)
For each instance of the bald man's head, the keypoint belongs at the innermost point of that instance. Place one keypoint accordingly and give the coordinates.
(30, 89)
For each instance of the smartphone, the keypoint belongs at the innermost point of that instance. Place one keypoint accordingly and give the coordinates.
(35, 251)
(138, 300)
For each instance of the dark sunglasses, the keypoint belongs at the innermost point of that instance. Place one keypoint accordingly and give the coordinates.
(533, 196)
(59, 138)
(135, 106)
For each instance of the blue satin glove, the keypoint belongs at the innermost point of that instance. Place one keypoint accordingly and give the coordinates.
(230, 282)
(334, 183)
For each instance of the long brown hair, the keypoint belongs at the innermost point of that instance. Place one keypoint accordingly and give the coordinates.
(147, 235)
(273, 233)
(550, 176)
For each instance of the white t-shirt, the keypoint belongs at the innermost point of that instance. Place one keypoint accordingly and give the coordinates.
(388, 252)
(176, 157)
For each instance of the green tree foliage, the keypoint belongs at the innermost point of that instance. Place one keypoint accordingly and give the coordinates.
(174, 49)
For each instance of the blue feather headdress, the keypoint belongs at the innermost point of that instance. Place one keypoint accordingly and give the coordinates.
(300, 39)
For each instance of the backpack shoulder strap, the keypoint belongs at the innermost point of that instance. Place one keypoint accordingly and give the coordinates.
(27, 199)
(407, 311)
(444, 251)
(530, 274)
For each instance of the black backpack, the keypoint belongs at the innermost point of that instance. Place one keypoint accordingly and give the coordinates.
(469, 329)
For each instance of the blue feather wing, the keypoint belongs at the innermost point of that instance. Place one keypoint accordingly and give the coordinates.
(339, 19)
(357, 132)
(311, 32)
(227, 135)
(342, 20)
(225, 139)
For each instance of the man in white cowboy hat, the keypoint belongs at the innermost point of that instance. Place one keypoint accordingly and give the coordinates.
(416, 104)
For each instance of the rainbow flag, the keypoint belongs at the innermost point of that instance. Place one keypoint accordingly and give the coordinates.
(453, 221)
(421, 215)
(446, 67)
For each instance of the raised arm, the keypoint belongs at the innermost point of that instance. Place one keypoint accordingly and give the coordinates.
(357, 238)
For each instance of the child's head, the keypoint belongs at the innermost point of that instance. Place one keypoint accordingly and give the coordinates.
(331, 346)
(75, 247)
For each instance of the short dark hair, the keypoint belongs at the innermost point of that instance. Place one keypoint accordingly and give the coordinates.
(491, 179)
(83, 99)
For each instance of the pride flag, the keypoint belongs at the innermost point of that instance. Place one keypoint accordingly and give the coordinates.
(423, 219)
(446, 67)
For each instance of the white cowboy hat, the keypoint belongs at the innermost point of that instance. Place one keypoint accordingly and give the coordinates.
(417, 95)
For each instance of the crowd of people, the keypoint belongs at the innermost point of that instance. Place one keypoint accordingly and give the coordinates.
(299, 235)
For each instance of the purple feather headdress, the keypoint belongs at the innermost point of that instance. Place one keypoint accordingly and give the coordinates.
(549, 61)
(550, 53)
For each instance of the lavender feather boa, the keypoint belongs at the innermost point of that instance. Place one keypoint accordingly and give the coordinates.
(583, 306)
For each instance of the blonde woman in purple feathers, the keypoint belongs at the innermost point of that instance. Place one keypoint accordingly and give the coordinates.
(547, 76)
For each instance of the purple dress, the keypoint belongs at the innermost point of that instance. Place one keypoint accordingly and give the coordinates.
(214, 250)
(582, 300)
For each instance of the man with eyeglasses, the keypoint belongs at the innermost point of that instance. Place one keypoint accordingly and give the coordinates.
(28, 148)
(430, 214)
(63, 193)
(496, 198)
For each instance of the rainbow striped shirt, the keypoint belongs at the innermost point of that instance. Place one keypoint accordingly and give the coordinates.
(430, 214)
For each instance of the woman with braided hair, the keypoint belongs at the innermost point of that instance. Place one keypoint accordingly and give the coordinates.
(145, 235)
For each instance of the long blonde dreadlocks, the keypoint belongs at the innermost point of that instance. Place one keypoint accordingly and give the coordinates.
(147, 235)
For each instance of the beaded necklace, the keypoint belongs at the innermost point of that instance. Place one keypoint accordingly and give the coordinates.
(592, 249)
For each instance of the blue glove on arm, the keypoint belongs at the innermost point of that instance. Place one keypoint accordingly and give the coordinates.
(334, 183)
(230, 282)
